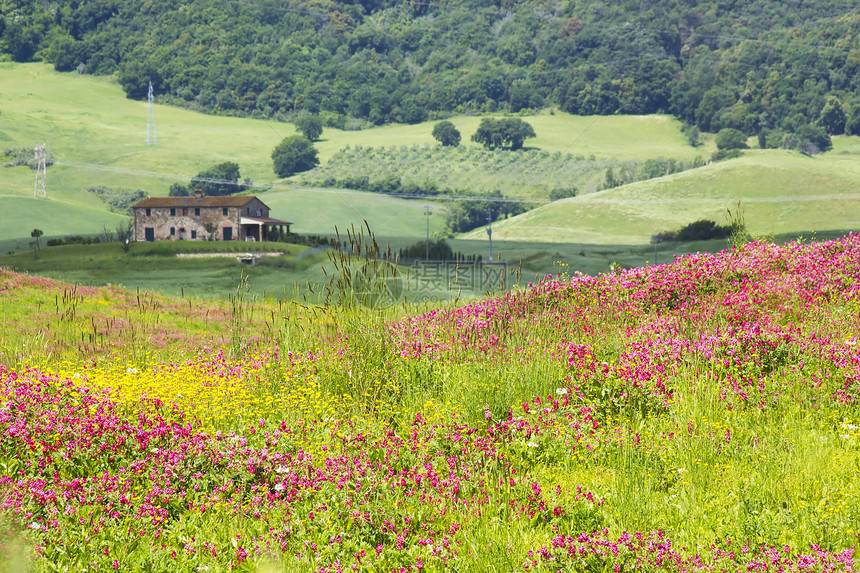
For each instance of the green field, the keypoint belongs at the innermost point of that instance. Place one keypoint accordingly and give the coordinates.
(97, 137)
(701, 416)
(780, 192)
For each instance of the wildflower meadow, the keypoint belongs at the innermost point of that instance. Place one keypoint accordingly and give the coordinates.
(699, 415)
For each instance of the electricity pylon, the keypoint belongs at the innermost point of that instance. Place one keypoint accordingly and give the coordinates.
(41, 171)
(150, 118)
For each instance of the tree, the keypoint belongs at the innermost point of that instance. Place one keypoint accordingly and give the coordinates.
(610, 181)
(218, 180)
(515, 131)
(467, 215)
(294, 154)
(813, 139)
(36, 233)
(310, 125)
(833, 117)
(36, 243)
(445, 133)
(730, 138)
(125, 236)
(562, 193)
(852, 123)
(509, 133)
(692, 133)
(178, 190)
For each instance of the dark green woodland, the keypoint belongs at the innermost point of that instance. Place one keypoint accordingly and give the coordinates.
(763, 67)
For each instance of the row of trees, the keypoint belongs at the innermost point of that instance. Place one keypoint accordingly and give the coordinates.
(760, 66)
(464, 216)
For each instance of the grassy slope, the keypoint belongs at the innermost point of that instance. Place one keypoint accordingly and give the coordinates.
(97, 137)
(87, 120)
(781, 192)
(620, 137)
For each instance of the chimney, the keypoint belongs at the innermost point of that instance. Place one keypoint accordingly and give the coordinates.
(198, 194)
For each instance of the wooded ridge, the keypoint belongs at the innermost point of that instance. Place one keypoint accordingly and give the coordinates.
(762, 67)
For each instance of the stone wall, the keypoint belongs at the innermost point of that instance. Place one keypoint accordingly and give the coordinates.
(185, 224)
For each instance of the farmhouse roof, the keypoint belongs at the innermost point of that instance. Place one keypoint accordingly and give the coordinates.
(195, 201)
(263, 221)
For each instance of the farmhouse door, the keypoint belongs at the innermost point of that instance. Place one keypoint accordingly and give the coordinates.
(228, 233)
(149, 234)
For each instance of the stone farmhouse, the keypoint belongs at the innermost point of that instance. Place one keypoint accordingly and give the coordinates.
(201, 218)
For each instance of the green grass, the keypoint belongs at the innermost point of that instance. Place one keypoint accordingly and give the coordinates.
(781, 192)
(97, 137)
(319, 211)
(23, 214)
(154, 267)
(530, 173)
(709, 399)
(604, 137)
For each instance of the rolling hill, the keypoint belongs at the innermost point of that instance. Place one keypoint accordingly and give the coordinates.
(96, 137)
(780, 192)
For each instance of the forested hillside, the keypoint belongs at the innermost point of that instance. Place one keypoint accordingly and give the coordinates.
(765, 67)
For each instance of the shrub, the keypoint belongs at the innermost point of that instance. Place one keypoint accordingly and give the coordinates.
(703, 230)
(310, 125)
(445, 133)
(730, 138)
(294, 154)
(562, 193)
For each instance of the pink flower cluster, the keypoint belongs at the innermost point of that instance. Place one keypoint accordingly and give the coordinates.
(655, 552)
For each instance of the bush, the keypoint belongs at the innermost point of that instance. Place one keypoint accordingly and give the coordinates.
(439, 250)
(310, 125)
(813, 139)
(703, 230)
(723, 154)
(218, 180)
(562, 193)
(729, 138)
(445, 133)
(294, 154)
(506, 133)
(118, 200)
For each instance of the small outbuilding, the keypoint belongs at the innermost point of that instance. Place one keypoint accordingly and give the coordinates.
(201, 218)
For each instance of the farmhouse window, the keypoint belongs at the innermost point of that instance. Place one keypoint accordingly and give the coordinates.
(197, 211)
(173, 211)
(172, 231)
(148, 212)
(224, 211)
